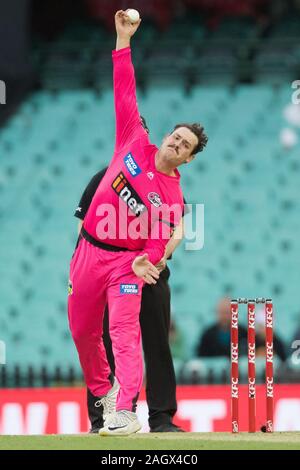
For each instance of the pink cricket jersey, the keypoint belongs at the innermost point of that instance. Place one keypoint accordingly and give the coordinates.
(130, 208)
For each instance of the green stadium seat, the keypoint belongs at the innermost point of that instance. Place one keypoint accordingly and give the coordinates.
(248, 185)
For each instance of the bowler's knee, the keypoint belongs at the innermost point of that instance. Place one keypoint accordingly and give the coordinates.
(82, 335)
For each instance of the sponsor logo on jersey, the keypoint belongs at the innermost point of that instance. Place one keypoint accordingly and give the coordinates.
(131, 165)
(154, 198)
(129, 289)
(126, 192)
(150, 175)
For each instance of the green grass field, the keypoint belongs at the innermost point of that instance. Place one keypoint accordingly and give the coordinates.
(162, 441)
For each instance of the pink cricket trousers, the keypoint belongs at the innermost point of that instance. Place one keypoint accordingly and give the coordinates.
(99, 277)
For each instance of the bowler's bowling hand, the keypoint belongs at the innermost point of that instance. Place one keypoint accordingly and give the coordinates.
(144, 269)
(124, 28)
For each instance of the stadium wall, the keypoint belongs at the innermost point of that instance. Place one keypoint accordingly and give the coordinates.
(200, 409)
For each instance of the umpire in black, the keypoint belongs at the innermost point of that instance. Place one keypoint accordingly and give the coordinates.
(155, 325)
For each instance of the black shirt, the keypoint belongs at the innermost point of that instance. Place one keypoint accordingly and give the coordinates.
(88, 194)
(216, 342)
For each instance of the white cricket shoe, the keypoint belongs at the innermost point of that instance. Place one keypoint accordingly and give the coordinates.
(109, 401)
(122, 423)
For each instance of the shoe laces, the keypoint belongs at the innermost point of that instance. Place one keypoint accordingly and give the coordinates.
(109, 400)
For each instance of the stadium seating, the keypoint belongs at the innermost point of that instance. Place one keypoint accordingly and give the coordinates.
(247, 183)
(187, 52)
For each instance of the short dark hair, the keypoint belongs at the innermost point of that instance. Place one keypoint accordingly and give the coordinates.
(198, 130)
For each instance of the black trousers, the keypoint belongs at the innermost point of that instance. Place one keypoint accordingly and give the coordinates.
(155, 325)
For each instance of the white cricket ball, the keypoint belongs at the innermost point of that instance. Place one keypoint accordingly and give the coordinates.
(134, 15)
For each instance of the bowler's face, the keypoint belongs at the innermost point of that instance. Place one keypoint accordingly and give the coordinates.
(177, 148)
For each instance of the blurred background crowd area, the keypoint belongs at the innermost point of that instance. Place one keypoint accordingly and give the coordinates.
(230, 65)
(67, 44)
